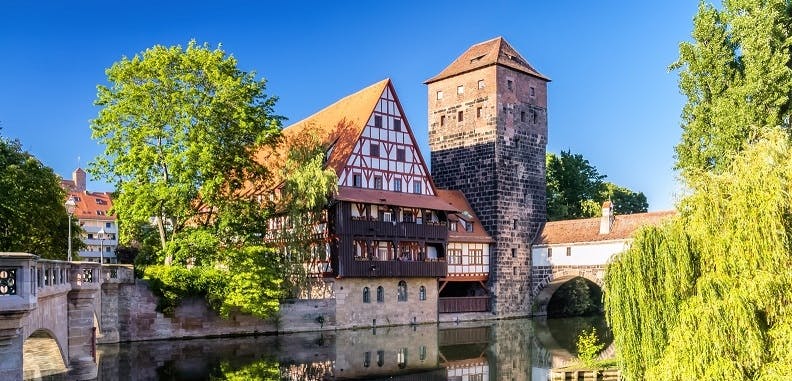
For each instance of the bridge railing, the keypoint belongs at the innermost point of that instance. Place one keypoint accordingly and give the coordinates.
(51, 277)
(17, 282)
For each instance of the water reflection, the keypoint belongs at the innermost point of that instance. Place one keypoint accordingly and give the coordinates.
(519, 349)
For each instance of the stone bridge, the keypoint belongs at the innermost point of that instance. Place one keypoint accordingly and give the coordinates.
(57, 300)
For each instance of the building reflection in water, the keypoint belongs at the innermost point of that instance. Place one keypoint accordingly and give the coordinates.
(518, 349)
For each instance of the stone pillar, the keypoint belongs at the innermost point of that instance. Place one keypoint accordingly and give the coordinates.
(85, 278)
(109, 315)
(17, 299)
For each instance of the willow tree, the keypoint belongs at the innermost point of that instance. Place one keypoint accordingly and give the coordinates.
(180, 127)
(706, 296)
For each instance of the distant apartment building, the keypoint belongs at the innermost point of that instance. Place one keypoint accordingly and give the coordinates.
(99, 226)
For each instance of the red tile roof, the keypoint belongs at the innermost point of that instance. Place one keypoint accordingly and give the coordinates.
(587, 229)
(456, 199)
(338, 126)
(492, 52)
(92, 205)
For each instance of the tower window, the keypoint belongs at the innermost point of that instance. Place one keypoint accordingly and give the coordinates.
(533, 116)
(480, 83)
(510, 84)
(514, 252)
(439, 95)
(374, 150)
(442, 120)
(460, 116)
(357, 180)
(533, 92)
(400, 154)
(460, 89)
(478, 112)
(377, 182)
(378, 121)
(522, 116)
(397, 125)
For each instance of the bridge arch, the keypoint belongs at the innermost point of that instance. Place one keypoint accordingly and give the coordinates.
(43, 355)
(548, 284)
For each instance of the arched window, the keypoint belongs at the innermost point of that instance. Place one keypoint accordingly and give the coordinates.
(422, 353)
(366, 295)
(380, 295)
(366, 359)
(380, 357)
(401, 358)
(402, 291)
(422, 293)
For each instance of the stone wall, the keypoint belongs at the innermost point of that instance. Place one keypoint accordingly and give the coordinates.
(495, 155)
(138, 319)
(352, 312)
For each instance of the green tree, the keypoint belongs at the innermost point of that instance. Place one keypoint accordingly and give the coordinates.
(624, 200)
(180, 127)
(33, 218)
(575, 189)
(736, 75)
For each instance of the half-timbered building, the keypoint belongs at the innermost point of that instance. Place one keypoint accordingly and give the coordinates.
(387, 229)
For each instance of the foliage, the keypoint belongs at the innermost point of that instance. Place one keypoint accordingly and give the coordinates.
(575, 189)
(180, 127)
(624, 200)
(588, 347)
(33, 217)
(306, 191)
(681, 295)
(576, 298)
(263, 369)
(736, 75)
(248, 282)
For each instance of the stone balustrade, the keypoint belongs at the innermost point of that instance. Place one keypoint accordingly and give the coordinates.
(59, 297)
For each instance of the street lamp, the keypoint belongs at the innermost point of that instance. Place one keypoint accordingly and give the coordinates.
(101, 233)
(70, 206)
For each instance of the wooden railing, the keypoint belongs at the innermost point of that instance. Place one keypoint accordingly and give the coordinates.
(463, 304)
(399, 230)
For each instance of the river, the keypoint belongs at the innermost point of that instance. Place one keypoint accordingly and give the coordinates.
(518, 349)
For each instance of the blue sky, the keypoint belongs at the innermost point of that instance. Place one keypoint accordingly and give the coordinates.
(612, 98)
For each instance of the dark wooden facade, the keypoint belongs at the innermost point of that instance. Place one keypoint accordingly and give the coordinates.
(463, 304)
(347, 230)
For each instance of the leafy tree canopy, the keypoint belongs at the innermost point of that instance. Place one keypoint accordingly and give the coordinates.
(179, 127)
(736, 75)
(575, 189)
(33, 217)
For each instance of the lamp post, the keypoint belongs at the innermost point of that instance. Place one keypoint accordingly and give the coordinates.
(70, 206)
(101, 233)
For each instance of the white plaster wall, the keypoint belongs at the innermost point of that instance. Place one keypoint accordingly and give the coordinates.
(583, 254)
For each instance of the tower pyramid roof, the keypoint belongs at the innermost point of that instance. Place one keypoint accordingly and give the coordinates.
(496, 51)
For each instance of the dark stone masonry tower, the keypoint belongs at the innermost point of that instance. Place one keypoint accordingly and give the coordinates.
(488, 138)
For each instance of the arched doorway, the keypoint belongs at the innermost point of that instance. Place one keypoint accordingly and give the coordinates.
(42, 356)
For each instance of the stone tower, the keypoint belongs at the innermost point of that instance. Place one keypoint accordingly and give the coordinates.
(488, 138)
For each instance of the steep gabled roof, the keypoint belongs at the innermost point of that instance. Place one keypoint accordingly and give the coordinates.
(587, 229)
(492, 52)
(459, 204)
(339, 125)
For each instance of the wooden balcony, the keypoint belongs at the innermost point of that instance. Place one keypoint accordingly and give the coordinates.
(463, 304)
(404, 269)
(401, 230)
(463, 336)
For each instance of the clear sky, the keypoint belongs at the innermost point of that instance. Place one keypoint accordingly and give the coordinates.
(611, 99)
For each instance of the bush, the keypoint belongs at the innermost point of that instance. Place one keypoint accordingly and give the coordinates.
(588, 347)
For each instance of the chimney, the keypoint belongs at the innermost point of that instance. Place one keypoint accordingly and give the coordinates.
(78, 176)
(606, 221)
